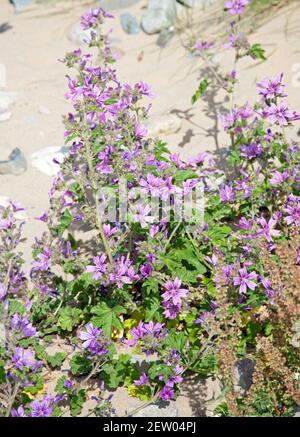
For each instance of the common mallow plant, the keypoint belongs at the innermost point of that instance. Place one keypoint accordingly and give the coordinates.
(132, 263)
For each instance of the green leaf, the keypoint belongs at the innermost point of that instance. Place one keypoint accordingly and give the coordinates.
(257, 52)
(68, 318)
(80, 365)
(65, 221)
(119, 371)
(151, 286)
(184, 263)
(76, 402)
(60, 388)
(153, 306)
(183, 175)
(57, 359)
(200, 91)
(106, 317)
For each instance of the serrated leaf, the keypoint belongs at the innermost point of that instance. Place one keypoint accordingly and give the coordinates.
(107, 317)
(80, 365)
(68, 318)
(257, 52)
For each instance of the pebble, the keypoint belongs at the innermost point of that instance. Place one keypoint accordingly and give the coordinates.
(129, 24)
(242, 375)
(5, 116)
(16, 163)
(42, 160)
(163, 124)
(21, 4)
(110, 5)
(158, 16)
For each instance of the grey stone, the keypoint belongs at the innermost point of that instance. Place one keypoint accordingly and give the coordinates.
(168, 6)
(16, 163)
(158, 409)
(242, 376)
(164, 124)
(21, 4)
(5, 116)
(196, 3)
(109, 5)
(297, 412)
(159, 16)
(129, 23)
(42, 160)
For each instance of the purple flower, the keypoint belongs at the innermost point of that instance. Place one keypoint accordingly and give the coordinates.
(90, 18)
(143, 89)
(146, 270)
(43, 217)
(167, 393)
(23, 358)
(270, 89)
(152, 328)
(99, 266)
(22, 324)
(109, 231)
(142, 215)
(89, 336)
(281, 114)
(68, 384)
(246, 224)
(43, 260)
(3, 291)
(140, 131)
(293, 211)
(268, 287)
(148, 334)
(174, 292)
(42, 408)
(7, 223)
(236, 7)
(91, 340)
(124, 272)
(171, 310)
(143, 380)
(19, 412)
(279, 178)
(266, 228)
(202, 46)
(176, 378)
(227, 194)
(252, 150)
(245, 280)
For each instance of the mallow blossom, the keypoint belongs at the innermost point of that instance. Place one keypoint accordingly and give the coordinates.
(174, 292)
(99, 267)
(245, 280)
(236, 7)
